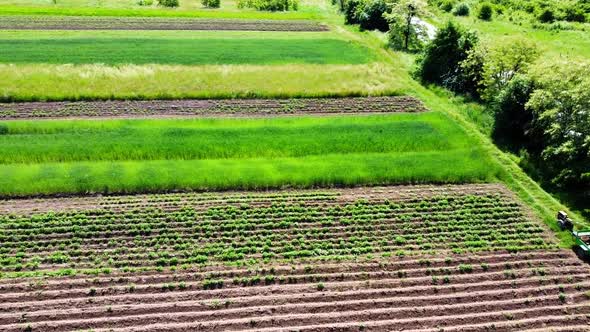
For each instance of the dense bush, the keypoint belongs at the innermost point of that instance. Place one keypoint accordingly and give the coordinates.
(168, 3)
(560, 104)
(211, 3)
(547, 16)
(145, 2)
(370, 15)
(512, 127)
(575, 14)
(350, 9)
(441, 59)
(462, 9)
(485, 12)
(269, 5)
(447, 6)
(3, 129)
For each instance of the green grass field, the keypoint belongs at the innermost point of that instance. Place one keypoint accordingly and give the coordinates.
(50, 157)
(199, 48)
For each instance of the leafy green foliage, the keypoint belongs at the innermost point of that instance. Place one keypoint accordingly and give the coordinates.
(404, 33)
(547, 16)
(441, 59)
(370, 15)
(168, 3)
(512, 127)
(270, 5)
(461, 9)
(211, 3)
(561, 104)
(485, 12)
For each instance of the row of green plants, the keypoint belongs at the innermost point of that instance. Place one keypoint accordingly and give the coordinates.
(161, 239)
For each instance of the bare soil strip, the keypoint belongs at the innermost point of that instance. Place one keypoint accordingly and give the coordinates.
(203, 201)
(205, 108)
(146, 23)
(528, 290)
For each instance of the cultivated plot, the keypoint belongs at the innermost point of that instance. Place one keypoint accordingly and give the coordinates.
(146, 23)
(416, 258)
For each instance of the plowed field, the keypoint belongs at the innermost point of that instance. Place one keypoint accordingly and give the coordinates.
(138, 23)
(211, 107)
(423, 258)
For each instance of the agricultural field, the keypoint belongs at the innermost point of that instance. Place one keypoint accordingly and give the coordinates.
(137, 23)
(118, 155)
(447, 256)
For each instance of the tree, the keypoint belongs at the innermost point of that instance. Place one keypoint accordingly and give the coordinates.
(403, 29)
(503, 61)
(441, 60)
(370, 16)
(561, 107)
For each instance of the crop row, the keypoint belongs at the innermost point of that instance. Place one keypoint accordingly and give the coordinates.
(228, 107)
(136, 23)
(251, 231)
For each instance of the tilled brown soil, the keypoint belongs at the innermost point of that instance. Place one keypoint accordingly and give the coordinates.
(503, 292)
(213, 107)
(149, 23)
(202, 201)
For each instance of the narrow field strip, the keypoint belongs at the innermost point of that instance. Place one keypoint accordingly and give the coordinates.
(147, 23)
(256, 229)
(465, 300)
(211, 107)
(83, 156)
(148, 48)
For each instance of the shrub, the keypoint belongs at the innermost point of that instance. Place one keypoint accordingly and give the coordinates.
(371, 16)
(447, 6)
(168, 3)
(269, 5)
(485, 12)
(575, 14)
(462, 9)
(547, 16)
(440, 62)
(211, 3)
(512, 118)
(3, 129)
(351, 7)
(145, 2)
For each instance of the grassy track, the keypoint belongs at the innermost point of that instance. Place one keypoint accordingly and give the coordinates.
(214, 48)
(50, 157)
(66, 141)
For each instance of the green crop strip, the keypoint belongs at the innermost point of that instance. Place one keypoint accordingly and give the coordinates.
(245, 230)
(182, 51)
(75, 140)
(73, 156)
